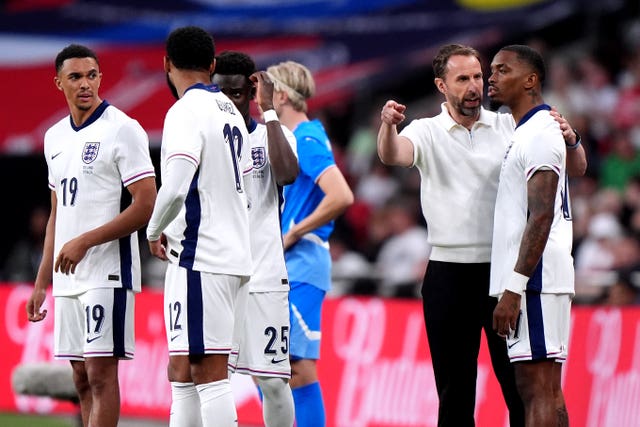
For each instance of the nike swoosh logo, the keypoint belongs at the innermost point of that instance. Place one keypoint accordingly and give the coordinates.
(90, 340)
(174, 337)
(274, 360)
(511, 345)
(55, 155)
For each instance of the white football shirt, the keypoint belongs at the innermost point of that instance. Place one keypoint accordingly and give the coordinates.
(537, 144)
(265, 204)
(211, 232)
(88, 167)
(459, 172)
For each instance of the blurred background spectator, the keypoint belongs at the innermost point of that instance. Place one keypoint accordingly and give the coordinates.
(403, 256)
(22, 262)
(380, 243)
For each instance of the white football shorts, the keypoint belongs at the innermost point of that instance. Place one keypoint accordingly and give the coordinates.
(543, 328)
(261, 338)
(199, 310)
(96, 323)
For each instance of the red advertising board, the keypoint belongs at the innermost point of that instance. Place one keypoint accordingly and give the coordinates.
(375, 368)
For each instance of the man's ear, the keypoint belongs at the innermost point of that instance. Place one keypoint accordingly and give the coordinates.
(212, 67)
(440, 85)
(166, 62)
(57, 82)
(531, 81)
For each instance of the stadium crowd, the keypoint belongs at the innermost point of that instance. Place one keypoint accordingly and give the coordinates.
(380, 248)
(380, 244)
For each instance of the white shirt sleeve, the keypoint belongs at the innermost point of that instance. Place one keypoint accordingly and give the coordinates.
(132, 153)
(546, 152)
(177, 178)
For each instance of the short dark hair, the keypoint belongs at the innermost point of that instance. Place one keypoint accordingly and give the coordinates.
(190, 48)
(529, 56)
(231, 62)
(74, 51)
(447, 51)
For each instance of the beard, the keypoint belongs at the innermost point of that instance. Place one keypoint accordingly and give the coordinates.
(458, 104)
(469, 112)
(172, 88)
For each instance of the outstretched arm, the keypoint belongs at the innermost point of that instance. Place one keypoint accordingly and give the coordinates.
(393, 149)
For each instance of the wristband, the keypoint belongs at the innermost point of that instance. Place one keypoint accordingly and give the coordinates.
(517, 283)
(577, 144)
(270, 116)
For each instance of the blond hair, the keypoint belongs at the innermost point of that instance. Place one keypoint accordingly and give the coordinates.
(296, 80)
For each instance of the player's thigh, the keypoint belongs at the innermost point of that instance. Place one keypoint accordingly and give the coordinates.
(102, 371)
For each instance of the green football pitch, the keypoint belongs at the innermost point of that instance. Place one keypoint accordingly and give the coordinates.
(30, 420)
(19, 420)
(24, 420)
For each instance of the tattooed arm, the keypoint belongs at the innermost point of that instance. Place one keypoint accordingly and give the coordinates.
(541, 195)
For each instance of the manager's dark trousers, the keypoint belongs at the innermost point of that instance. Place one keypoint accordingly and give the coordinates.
(457, 306)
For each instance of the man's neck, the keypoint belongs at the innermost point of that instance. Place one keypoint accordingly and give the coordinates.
(524, 105)
(292, 118)
(187, 78)
(80, 116)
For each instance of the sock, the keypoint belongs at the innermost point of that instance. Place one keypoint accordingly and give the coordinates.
(217, 405)
(309, 405)
(185, 405)
(277, 404)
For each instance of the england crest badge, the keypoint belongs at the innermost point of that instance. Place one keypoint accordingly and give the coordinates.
(90, 151)
(258, 155)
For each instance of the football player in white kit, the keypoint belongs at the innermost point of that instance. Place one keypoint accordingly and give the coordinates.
(531, 263)
(200, 224)
(91, 154)
(261, 343)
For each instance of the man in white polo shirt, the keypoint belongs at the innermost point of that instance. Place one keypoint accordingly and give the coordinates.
(458, 154)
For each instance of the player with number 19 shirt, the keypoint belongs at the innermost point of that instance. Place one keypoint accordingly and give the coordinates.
(88, 167)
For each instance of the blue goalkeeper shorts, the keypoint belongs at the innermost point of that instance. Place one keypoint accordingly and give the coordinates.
(305, 306)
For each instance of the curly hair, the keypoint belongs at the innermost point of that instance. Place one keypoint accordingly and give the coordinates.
(74, 51)
(190, 48)
(232, 62)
